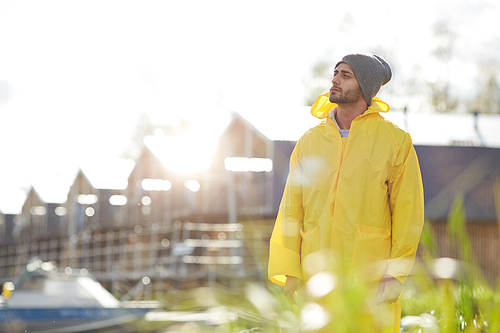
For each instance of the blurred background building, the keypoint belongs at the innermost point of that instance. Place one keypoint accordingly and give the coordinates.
(192, 212)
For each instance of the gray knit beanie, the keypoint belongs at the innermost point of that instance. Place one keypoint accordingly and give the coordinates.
(371, 70)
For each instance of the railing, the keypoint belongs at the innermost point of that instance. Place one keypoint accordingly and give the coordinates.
(185, 254)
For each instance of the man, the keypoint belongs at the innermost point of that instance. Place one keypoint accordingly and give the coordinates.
(353, 201)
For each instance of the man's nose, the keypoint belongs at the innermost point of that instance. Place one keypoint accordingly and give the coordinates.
(335, 80)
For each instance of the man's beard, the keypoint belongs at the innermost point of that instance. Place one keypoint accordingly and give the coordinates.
(349, 96)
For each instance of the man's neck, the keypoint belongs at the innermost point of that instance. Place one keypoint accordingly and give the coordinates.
(346, 113)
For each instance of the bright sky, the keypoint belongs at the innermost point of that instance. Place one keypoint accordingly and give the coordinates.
(75, 76)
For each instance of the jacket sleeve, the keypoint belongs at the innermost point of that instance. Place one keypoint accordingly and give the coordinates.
(407, 208)
(285, 244)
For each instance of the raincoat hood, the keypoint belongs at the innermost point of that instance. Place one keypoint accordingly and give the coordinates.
(322, 106)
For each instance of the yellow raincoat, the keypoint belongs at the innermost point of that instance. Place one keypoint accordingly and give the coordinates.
(358, 197)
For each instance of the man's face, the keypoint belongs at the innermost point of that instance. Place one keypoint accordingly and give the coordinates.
(345, 87)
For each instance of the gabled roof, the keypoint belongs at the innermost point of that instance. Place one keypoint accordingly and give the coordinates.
(13, 203)
(32, 198)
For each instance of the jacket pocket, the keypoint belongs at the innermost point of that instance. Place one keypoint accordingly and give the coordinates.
(309, 252)
(372, 249)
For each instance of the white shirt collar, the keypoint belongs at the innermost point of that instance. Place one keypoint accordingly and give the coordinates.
(331, 114)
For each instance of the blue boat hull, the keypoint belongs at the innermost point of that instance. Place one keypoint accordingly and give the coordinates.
(70, 319)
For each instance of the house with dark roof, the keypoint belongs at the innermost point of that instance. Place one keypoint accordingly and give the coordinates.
(201, 187)
(40, 217)
(225, 174)
(96, 199)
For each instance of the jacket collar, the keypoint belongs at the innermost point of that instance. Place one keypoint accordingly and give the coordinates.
(322, 106)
